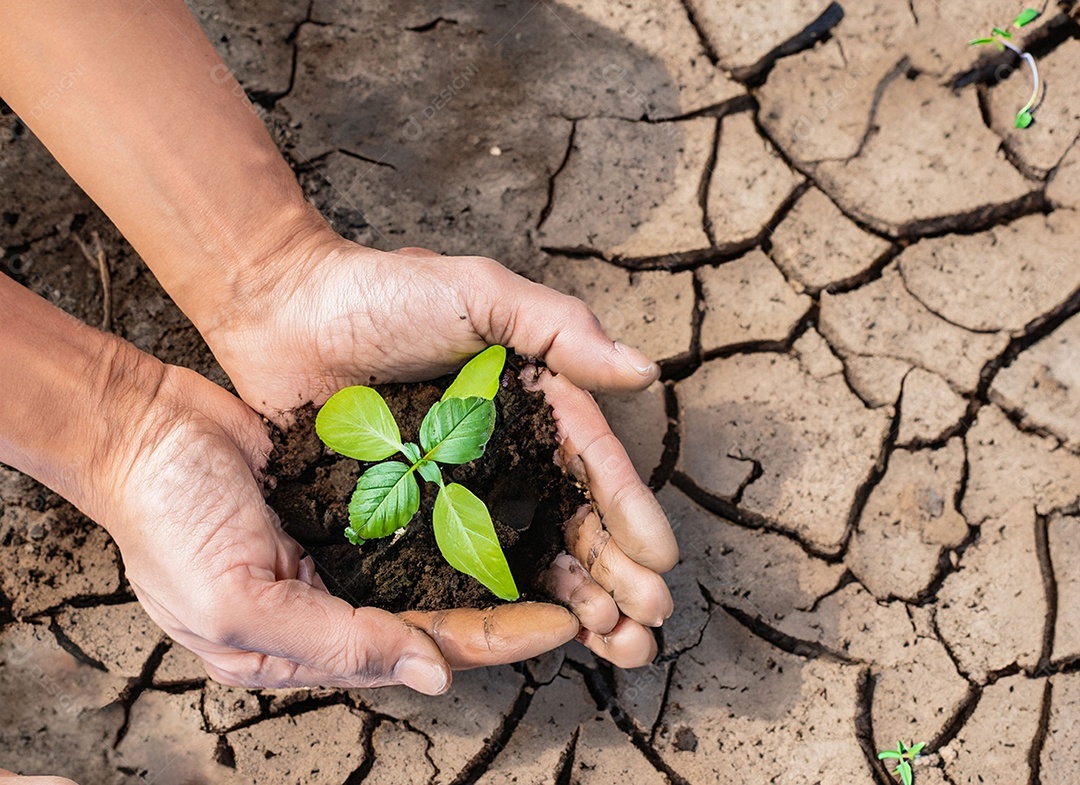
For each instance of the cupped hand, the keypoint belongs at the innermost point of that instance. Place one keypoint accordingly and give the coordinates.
(179, 491)
(331, 313)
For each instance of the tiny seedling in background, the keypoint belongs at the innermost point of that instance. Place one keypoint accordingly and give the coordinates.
(1002, 39)
(904, 756)
(357, 423)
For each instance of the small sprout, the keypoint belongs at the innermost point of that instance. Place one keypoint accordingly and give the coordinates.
(357, 423)
(1000, 38)
(1026, 17)
(904, 756)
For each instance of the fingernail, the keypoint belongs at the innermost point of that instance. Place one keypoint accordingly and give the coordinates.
(636, 360)
(423, 675)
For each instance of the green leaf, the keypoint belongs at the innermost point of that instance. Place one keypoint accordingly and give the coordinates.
(888, 754)
(905, 772)
(386, 498)
(1024, 118)
(429, 470)
(981, 41)
(1003, 33)
(1026, 17)
(457, 429)
(356, 422)
(480, 376)
(411, 451)
(466, 537)
(913, 752)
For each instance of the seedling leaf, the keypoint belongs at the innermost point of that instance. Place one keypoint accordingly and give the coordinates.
(889, 754)
(1002, 32)
(480, 376)
(456, 430)
(429, 470)
(905, 772)
(1024, 118)
(1026, 17)
(913, 752)
(386, 498)
(981, 41)
(411, 451)
(357, 423)
(466, 537)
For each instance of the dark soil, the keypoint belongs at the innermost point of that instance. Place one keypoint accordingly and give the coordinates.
(528, 495)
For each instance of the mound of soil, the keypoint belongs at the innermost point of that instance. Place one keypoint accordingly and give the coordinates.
(528, 495)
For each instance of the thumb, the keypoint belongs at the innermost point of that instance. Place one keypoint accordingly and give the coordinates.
(308, 637)
(560, 329)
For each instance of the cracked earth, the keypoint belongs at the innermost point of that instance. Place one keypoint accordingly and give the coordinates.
(863, 287)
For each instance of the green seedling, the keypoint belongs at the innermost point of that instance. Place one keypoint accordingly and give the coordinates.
(1002, 39)
(904, 757)
(357, 423)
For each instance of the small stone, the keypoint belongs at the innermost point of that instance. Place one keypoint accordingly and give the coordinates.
(998, 736)
(1064, 538)
(747, 301)
(640, 422)
(400, 756)
(813, 441)
(630, 190)
(941, 162)
(320, 746)
(883, 319)
(1042, 386)
(929, 408)
(1000, 279)
(651, 310)
(817, 245)
(748, 184)
(1061, 749)
(496, 150)
(908, 521)
(121, 637)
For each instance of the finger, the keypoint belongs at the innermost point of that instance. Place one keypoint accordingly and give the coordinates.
(541, 322)
(629, 645)
(299, 627)
(631, 512)
(569, 582)
(639, 592)
(473, 638)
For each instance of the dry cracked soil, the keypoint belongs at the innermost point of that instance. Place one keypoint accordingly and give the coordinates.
(863, 286)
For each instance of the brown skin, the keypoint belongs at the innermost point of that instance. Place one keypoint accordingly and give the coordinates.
(161, 137)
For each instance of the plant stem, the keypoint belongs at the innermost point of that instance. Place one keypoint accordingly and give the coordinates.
(1034, 74)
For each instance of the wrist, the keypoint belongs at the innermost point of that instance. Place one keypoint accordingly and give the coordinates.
(68, 392)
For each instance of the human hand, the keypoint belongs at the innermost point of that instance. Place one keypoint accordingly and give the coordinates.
(177, 487)
(331, 313)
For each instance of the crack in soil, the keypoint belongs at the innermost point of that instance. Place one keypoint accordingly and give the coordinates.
(137, 686)
(497, 741)
(545, 211)
(864, 726)
(1039, 740)
(661, 473)
(603, 692)
(1050, 590)
(564, 769)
